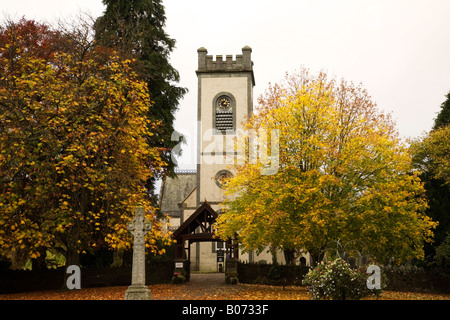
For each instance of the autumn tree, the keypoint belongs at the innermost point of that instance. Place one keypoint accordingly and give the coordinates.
(74, 156)
(136, 29)
(432, 154)
(432, 157)
(343, 173)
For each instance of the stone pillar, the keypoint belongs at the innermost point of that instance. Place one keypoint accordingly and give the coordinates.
(138, 227)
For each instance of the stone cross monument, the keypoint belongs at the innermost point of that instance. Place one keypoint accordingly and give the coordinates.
(138, 227)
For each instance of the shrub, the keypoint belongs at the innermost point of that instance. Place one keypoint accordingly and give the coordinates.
(274, 272)
(231, 278)
(269, 274)
(178, 278)
(336, 280)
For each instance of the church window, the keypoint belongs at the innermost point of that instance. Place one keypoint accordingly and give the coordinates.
(222, 176)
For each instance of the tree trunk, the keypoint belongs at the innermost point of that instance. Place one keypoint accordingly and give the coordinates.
(117, 258)
(18, 259)
(72, 258)
(289, 256)
(314, 258)
(39, 262)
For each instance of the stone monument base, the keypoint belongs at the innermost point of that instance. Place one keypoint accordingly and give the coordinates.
(138, 293)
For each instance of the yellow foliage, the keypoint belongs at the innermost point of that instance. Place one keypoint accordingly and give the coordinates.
(74, 154)
(431, 153)
(343, 174)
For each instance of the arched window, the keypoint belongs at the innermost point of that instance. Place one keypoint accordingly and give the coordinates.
(224, 113)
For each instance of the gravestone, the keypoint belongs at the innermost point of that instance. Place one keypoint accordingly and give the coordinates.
(138, 227)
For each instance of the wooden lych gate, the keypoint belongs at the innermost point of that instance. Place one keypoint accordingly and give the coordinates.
(199, 228)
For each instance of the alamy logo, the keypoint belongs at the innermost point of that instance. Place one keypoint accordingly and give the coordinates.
(232, 148)
(374, 280)
(74, 280)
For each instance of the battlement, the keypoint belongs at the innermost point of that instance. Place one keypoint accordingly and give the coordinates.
(207, 63)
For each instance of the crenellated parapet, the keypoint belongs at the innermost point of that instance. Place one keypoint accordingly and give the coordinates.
(208, 63)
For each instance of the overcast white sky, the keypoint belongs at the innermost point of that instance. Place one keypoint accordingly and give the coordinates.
(398, 49)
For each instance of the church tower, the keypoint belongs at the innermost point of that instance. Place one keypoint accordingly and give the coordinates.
(225, 100)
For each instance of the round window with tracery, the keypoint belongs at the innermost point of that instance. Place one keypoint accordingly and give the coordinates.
(222, 176)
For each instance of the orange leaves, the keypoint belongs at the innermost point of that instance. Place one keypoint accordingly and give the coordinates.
(73, 140)
(217, 292)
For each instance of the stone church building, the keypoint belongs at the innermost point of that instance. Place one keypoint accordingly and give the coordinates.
(191, 200)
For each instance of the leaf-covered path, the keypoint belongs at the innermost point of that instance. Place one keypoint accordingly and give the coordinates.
(203, 287)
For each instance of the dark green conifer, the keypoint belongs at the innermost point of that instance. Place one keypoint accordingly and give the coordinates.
(135, 28)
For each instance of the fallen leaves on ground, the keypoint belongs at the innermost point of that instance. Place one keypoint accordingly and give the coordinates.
(203, 292)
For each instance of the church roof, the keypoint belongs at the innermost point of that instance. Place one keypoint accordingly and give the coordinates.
(204, 217)
(175, 190)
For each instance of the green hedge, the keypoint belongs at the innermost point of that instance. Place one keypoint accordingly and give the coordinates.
(27, 280)
(271, 274)
(398, 279)
(53, 279)
(417, 280)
